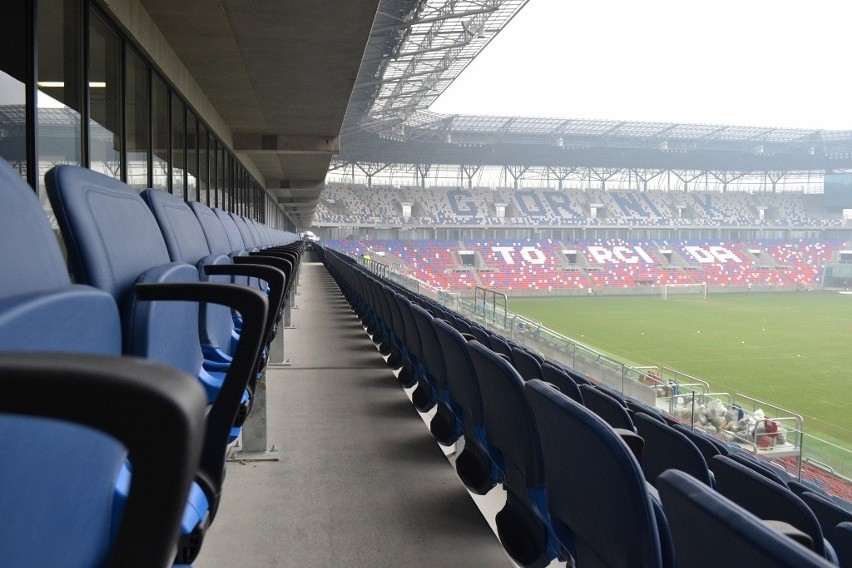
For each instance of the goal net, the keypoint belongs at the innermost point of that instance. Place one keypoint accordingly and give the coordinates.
(696, 290)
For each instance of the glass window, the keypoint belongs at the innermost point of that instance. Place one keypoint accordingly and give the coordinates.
(104, 89)
(136, 109)
(191, 157)
(178, 148)
(60, 88)
(13, 95)
(159, 134)
(203, 164)
(220, 185)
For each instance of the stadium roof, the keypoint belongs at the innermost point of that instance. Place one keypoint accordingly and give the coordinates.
(418, 48)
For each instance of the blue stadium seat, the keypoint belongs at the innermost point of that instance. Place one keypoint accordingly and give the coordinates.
(558, 377)
(841, 538)
(523, 524)
(186, 242)
(115, 244)
(666, 448)
(708, 528)
(767, 499)
(59, 475)
(527, 365)
(473, 465)
(828, 513)
(607, 407)
(40, 310)
(601, 506)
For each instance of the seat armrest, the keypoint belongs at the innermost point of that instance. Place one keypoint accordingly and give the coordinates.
(118, 396)
(274, 277)
(253, 307)
(790, 531)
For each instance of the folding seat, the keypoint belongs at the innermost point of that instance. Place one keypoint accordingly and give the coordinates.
(41, 310)
(841, 538)
(527, 365)
(708, 446)
(558, 377)
(608, 408)
(443, 423)
(523, 525)
(828, 513)
(768, 500)
(218, 244)
(68, 424)
(186, 242)
(423, 396)
(474, 464)
(602, 509)
(115, 244)
(666, 448)
(705, 525)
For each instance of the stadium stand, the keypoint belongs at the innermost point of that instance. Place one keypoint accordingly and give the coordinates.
(382, 205)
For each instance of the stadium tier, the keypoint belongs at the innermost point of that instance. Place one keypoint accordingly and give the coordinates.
(387, 205)
(592, 266)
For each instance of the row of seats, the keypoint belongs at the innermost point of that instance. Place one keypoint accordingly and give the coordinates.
(589, 475)
(158, 344)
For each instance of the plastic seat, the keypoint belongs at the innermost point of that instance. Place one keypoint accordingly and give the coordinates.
(607, 407)
(704, 524)
(474, 464)
(186, 242)
(828, 513)
(525, 363)
(841, 538)
(767, 499)
(40, 310)
(666, 448)
(601, 506)
(559, 378)
(523, 524)
(59, 475)
(115, 244)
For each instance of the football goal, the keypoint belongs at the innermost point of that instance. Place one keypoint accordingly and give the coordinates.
(695, 290)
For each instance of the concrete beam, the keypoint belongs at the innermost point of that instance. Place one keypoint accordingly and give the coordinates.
(286, 143)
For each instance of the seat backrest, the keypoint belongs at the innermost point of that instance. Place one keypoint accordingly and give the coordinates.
(596, 491)
(186, 243)
(231, 231)
(431, 349)
(525, 363)
(113, 242)
(39, 307)
(706, 446)
(704, 524)
(508, 418)
(666, 448)
(765, 498)
(841, 539)
(461, 378)
(245, 233)
(607, 407)
(828, 513)
(561, 380)
(214, 231)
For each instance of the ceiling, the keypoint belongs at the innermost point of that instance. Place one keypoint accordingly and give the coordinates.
(280, 73)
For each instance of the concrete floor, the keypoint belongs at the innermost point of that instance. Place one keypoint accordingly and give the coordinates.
(360, 481)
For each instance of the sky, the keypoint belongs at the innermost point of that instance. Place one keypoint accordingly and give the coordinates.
(774, 63)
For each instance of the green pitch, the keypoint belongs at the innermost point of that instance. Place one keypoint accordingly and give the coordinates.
(792, 350)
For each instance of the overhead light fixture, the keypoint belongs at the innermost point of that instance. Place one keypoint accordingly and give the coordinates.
(61, 84)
